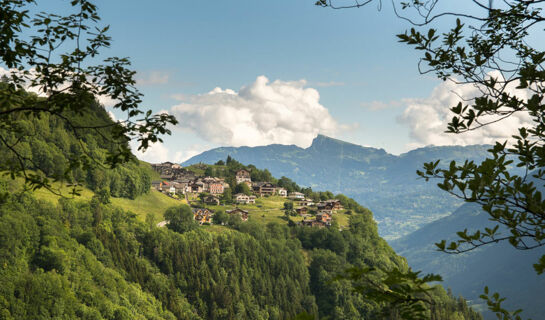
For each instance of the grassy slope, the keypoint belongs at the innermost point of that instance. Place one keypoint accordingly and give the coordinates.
(265, 210)
(269, 209)
(153, 202)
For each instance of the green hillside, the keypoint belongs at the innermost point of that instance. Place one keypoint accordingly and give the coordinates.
(153, 202)
(92, 260)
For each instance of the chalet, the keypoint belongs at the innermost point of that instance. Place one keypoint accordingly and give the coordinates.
(301, 210)
(324, 217)
(331, 204)
(167, 175)
(263, 188)
(313, 223)
(243, 176)
(164, 186)
(243, 213)
(157, 184)
(326, 211)
(282, 192)
(202, 215)
(184, 174)
(172, 171)
(212, 200)
(161, 166)
(306, 203)
(179, 188)
(242, 198)
(216, 188)
(296, 196)
(197, 187)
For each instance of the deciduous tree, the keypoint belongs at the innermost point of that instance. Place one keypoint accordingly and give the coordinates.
(54, 55)
(490, 47)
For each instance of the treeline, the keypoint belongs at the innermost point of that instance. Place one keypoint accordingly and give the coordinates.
(45, 146)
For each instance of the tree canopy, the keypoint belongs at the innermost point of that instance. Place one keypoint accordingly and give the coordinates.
(52, 55)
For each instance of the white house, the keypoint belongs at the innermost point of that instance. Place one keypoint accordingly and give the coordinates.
(242, 198)
(296, 196)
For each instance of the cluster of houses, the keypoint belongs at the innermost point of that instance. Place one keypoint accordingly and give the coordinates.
(212, 185)
(260, 189)
(324, 209)
(176, 180)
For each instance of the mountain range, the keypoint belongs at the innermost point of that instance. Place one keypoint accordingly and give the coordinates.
(500, 267)
(385, 183)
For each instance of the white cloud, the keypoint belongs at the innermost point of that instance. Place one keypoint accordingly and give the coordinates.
(329, 84)
(152, 78)
(190, 152)
(427, 118)
(106, 101)
(158, 152)
(258, 114)
(377, 105)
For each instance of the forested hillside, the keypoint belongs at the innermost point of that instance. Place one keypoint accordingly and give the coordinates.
(46, 146)
(87, 259)
(385, 183)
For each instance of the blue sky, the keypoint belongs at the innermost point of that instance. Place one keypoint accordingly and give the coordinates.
(366, 80)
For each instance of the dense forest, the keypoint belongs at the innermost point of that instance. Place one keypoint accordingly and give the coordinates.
(89, 259)
(46, 147)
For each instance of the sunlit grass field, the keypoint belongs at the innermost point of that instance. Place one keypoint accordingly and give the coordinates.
(264, 211)
(153, 202)
(270, 209)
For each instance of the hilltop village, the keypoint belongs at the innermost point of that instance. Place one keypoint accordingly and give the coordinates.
(209, 189)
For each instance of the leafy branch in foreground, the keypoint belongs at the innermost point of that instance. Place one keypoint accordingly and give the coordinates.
(489, 47)
(477, 55)
(51, 54)
(405, 293)
(494, 303)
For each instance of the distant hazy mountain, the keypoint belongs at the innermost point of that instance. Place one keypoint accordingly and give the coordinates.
(385, 183)
(500, 266)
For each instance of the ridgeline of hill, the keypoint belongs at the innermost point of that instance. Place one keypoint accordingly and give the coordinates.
(101, 255)
(385, 183)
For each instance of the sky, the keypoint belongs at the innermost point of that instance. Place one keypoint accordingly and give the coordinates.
(247, 72)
